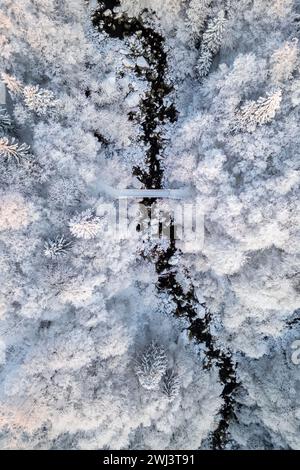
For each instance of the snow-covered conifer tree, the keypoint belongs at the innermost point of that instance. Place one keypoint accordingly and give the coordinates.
(5, 121)
(197, 13)
(211, 42)
(212, 37)
(258, 112)
(64, 192)
(57, 247)
(151, 366)
(85, 225)
(5, 21)
(170, 384)
(14, 86)
(38, 99)
(15, 212)
(12, 150)
(284, 61)
(204, 62)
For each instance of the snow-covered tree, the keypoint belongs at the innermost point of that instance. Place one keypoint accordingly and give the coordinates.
(38, 99)
(282, 8)
(204, 62)
(212, 37)
(284, 61)
(15, 213)
(211, 43)
(12, 150)
(197, 13)
(151, 366)
(14, 86)
(295, 92)
(64, 192)
(259, 112)
(5, 21)
(56, 248)
(85, 225)
(170, 384)
(5, 121)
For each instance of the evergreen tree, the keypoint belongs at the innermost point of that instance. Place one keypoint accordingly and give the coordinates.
(204, 62)
(284, 61)
(211, 42)
(170, 384)
(38, 99)
(151, 366)
(197, 13)
(212, 38)
(56, 248)
(85, 225)
(11, 150)
(5, 121)
(14, 86)
(258, 112)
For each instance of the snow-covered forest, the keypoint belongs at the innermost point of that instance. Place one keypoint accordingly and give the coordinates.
(143, 342)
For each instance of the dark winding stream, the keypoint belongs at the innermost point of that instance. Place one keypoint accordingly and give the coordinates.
(153, 115)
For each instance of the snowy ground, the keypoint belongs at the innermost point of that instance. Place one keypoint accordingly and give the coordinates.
(137, 342)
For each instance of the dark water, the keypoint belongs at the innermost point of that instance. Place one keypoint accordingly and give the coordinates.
(152, 108)
(153, 115)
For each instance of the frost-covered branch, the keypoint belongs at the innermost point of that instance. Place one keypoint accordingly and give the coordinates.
(12, 150)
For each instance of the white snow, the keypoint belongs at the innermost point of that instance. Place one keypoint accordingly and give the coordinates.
(142, 63)
(73, 326)
(133, 100)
